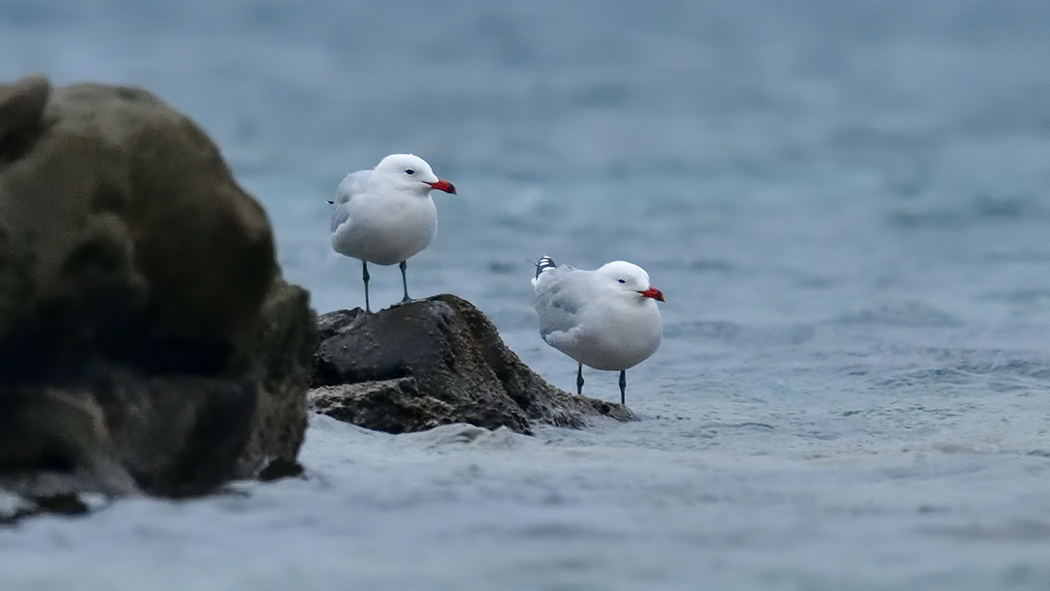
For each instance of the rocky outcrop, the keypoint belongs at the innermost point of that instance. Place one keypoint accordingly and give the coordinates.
(432, 362)
(147, 340)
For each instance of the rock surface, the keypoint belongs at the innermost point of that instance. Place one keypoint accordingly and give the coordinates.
(432, 362)
(147, 340)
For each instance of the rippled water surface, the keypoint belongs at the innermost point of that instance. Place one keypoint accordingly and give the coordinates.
(847, 207)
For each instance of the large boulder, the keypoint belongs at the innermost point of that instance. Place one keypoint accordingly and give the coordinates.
(147, 340)
(432, 362)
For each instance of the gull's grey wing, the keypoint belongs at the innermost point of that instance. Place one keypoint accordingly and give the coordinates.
(353, 184)
(560, 296)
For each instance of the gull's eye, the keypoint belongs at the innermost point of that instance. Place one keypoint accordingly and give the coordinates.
(409, 171)
(623, 281)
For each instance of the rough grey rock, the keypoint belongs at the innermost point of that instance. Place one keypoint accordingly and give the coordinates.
(431, 362)
(147, 340)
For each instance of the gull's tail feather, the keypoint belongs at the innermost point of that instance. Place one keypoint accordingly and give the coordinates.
(544, 264)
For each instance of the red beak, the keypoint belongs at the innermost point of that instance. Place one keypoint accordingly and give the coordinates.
(654, 293)
(443, 185)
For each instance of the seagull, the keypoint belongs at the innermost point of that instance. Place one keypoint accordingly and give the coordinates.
(385, 215)
(605, 319)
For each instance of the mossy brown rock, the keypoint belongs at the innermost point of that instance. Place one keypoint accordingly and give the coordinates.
(145, 330)
(431, 362)
(110, 200)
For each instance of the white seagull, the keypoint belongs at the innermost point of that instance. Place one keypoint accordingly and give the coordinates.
(605, 319)
(385, 215)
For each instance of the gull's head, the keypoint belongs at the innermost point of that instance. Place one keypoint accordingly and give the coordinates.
(630, 279)
(413, 173)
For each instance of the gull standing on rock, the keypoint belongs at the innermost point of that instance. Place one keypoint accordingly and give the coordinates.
(385, 215)
(605, 319)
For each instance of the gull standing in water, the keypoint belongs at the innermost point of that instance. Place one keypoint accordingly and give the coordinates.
(385, 215)
(605, 319)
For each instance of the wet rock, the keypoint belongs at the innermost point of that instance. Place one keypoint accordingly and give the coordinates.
(14, 508)
(394, 406)
(432, 362)
(147, 340)
(279, 357)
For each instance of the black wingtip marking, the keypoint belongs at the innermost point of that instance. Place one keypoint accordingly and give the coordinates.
(544, 264)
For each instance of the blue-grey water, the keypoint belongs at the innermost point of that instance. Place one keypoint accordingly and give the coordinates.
(847, 205)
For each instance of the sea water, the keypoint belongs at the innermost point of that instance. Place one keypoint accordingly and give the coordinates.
(847, 206)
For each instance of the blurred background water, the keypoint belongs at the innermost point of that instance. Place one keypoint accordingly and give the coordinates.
(846, 205)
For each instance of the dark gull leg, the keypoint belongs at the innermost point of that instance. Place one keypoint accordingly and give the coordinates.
(623, 386)
(404, 281)
(364, 275)
(579, 380)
